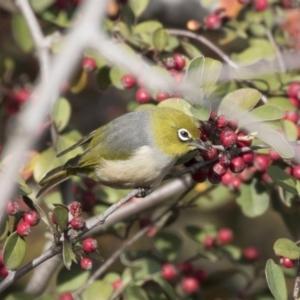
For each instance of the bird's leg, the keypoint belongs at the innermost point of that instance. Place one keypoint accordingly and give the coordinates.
(142, 192)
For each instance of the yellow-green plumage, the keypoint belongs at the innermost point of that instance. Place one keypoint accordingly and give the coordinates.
(135, 150)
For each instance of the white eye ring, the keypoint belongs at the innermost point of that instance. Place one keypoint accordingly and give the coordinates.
(184, 135)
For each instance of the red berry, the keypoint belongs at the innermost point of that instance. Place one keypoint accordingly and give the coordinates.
(75, 209)
(12, 208)
(20, 96)
(251, 254)
(273, 154)
(246, 175)
(233, 124)
(287, 4)
(185, 267)
(222, 121)
(247, 156)
(3, 272)
(179, 61)
(261, 162)
(266, 178)
(294, 90)
(170, 63)
(209, 242)
(219, 169)
(241, 141)
(190, 285)
(89, 64)
(235, 183)
(89, 245)
(86, 263)
(168, 271)
(162, 96)
(287, 262)
(296, 172)
(292, 116)
(210, 154)
(199, 177)
(224, 158)
(66, 296)
(294, 101)
(214, 178)
(32, 217)
(88, 200)
(237, 165)
(116, 284)
(128, 81)
(213, 21)
(77, 223)
(261, 5)
(213, 115)
(228, 138)
(227, 178)
(200, 275)
(225, 236)
(142, 96)
(23, 228)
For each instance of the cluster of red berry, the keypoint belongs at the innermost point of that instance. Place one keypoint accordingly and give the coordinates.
(28, 218)
(174, 64)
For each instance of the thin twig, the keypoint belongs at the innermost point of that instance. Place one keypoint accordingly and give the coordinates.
(279, 57)
(205, 42)
(297, 282)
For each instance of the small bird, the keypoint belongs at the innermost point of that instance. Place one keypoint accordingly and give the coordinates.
(135, 150)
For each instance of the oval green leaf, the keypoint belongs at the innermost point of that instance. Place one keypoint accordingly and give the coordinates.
(115, 75)
(262, 113)
(168, 244)
(61, 216)
(190, 49)
(160, 39)
(238, 102)
(253, 199)
(211, 71)
(98, 290)
(135, 293)
(289, 129)
(276, 281)
(21, 33)
(61, 114)
(14, 251)
(147, 27)
(41, 5)
(68, 254)
(4, 227)
(194, 72)
(138, 6)
(286, 248)
(177, 103)
(287, 182)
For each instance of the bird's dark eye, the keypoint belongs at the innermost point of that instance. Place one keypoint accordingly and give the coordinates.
(184, 135)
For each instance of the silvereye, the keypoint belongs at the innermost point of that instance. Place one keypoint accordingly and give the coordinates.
(135, 150)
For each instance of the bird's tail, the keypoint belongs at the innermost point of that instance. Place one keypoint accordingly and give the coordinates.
(53, 178)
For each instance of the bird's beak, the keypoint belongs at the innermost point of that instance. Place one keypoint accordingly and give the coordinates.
(200, 145)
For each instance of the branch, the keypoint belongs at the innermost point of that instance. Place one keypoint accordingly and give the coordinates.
(297, 283)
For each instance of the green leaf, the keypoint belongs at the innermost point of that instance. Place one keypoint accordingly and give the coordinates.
(211, 71)
(111, 277)
(68, 254)
(261, 114)
(4, 227)
(257, 29)
(135, 293)
(23, 188)
(286, 248)
(160, 39)
(253, 198)
(70, 280)
(103, 79)
(190, 49)
(40, 5)
(282, 103)
(238, 102)
(166, 287)
(177, 103)
(115, 75)
(20, 296)
(147, 27)
(289, 129)
(46, 161)
(201, 113)
(143, 268)
(61, 215)
(275, 280)
(168, 244)
(274, 139)
(61, 114)
(138, 6)
(173, 43)
(233, 251)
(98, 290)
(21, 33)
(194, 72)
(14, 251)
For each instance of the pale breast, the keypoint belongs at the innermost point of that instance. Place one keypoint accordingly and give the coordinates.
(145, 168)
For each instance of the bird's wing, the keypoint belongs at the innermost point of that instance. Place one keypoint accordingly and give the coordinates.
(84, 140)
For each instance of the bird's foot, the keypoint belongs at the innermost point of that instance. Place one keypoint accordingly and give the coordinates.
(143, 192)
